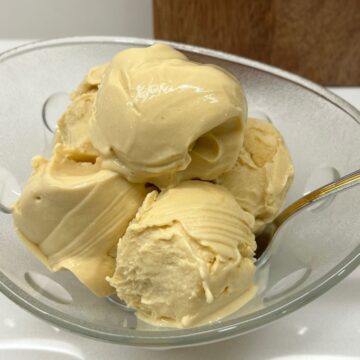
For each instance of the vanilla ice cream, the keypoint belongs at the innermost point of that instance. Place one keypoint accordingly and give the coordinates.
(263, 173)
(71, 214)
(187, 258)
(185, 252)
(91, 81)
(161, 118)
(73, 128)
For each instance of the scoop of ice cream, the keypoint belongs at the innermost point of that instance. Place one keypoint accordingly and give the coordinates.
(73, 127)
(263, 173)
(187, 257)
(161, 118)
(71, 214)
(91, 81)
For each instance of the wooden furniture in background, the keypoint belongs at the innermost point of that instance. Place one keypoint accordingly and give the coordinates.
(318, 39)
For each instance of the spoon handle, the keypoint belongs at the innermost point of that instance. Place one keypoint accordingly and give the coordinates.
(332, 188)
(263, 240)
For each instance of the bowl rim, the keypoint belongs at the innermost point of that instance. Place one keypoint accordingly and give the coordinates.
(208, 333)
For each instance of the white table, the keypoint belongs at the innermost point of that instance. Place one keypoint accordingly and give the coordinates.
(328, 328)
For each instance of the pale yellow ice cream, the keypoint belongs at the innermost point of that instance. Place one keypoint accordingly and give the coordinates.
(73, 128)
(161, 118)
(151, 115)
(187, 258)
(71, 214)
(91, 82)
(263, 173)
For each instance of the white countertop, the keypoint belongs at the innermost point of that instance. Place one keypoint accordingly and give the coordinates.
(327, 328)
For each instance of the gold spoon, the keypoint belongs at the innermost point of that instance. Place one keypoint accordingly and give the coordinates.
(264, 240)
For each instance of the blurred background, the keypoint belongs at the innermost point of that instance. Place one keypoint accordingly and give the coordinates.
(24, 19)
(318, 39)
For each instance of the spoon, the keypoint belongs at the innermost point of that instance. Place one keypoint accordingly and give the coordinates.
(265, 239)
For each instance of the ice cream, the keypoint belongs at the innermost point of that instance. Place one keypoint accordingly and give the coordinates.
(187, 257)
(184, 256)
(73, 128)
(91, 81)
(71, 214)
(263, 173)
(161, 118)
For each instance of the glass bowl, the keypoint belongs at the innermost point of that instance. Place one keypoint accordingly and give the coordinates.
(319, 246)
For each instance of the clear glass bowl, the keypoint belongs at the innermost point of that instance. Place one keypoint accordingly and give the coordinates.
(318, 248)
